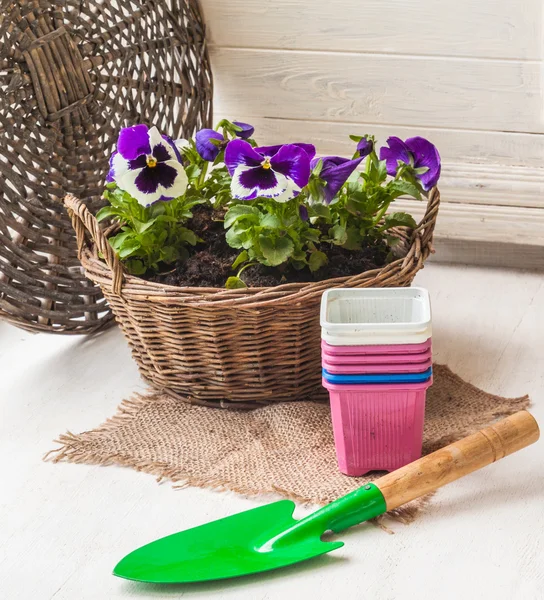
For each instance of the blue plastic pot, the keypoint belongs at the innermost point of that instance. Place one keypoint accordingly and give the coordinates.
(381, 378)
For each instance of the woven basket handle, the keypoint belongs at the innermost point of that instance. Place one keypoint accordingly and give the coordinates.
(84, 221)
(428, 221)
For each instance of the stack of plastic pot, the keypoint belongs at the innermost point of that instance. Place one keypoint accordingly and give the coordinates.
(377, 367)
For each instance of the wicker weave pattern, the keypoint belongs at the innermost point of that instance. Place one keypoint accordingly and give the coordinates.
(218, 347)
(72, 73)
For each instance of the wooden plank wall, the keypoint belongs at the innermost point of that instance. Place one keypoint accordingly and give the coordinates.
(467, 75)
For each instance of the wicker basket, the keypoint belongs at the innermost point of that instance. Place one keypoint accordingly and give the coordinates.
(71, 74)
(230, 348)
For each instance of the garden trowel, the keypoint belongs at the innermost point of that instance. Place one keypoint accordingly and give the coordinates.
(269, 537)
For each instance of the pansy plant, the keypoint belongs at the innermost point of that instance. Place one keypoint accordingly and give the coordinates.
(282, 205)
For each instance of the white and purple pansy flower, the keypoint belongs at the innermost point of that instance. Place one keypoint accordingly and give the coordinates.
(268, 172)
(417, 152)
(271, 150)
(147, 165)
(335, 171)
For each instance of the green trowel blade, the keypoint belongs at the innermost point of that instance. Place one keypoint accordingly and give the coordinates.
(238, 545)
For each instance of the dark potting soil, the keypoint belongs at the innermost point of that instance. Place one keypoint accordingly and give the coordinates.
(211, 263)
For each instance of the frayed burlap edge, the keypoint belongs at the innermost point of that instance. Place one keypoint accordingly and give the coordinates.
(74, 448)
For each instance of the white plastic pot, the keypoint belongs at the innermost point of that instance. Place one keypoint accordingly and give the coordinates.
(375, 316)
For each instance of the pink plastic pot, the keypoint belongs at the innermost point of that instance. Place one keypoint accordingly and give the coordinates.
(379, 349)
(376, 368)
(377, 427)
(375, 359)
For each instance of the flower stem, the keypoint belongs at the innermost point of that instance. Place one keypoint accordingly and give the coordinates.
(202, 175)
(249, 264)
(380, 214)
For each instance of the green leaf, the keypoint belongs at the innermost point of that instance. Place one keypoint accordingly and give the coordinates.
(241, 258)
(276, 251)
(354, 239)
(165, 219)
(338, 234)
(313, 235)
(157, 209)
(141, 226)
(169, 254)
(317, 260)
(355, 207)
(299, 255)
(193, 172)
(248, 237)
(299, 264)
(401, 188)
(186, 235)
(398, 219)
(135, 266)
(118, 240)
(239, 211)
(104, 213)
(319, 210)
(128, 247)
(233, 238)
(235, 283)
(356, 138)
(382, 171)
(270, 221)
(392, 241)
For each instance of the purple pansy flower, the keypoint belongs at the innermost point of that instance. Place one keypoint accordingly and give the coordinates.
(271, 150)
(204, 145)
(365, 147)
(416, 151)
(247, 130)
(276, 175)
(147, 165)
(210, 150)
(335, 171)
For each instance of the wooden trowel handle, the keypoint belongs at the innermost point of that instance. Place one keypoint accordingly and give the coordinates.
(461, 458)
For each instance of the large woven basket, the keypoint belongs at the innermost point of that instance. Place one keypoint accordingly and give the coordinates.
(230, 348)
(71, 74)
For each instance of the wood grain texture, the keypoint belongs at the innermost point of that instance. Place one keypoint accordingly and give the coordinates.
(63, 527)
(458, 459)
(502, 224)
(490, 28)
(487, 254)
(405, 90)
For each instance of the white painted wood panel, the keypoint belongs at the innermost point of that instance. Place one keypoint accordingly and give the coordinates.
(467, 75)
(488, 28)
(484, 223)
(418, 91)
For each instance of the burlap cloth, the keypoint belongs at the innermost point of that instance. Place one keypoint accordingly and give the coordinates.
(286, 449)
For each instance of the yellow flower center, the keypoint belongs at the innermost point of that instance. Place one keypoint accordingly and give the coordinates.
(151, 161)
(266, 163)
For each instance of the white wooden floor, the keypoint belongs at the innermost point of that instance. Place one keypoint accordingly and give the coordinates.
(63, 527)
